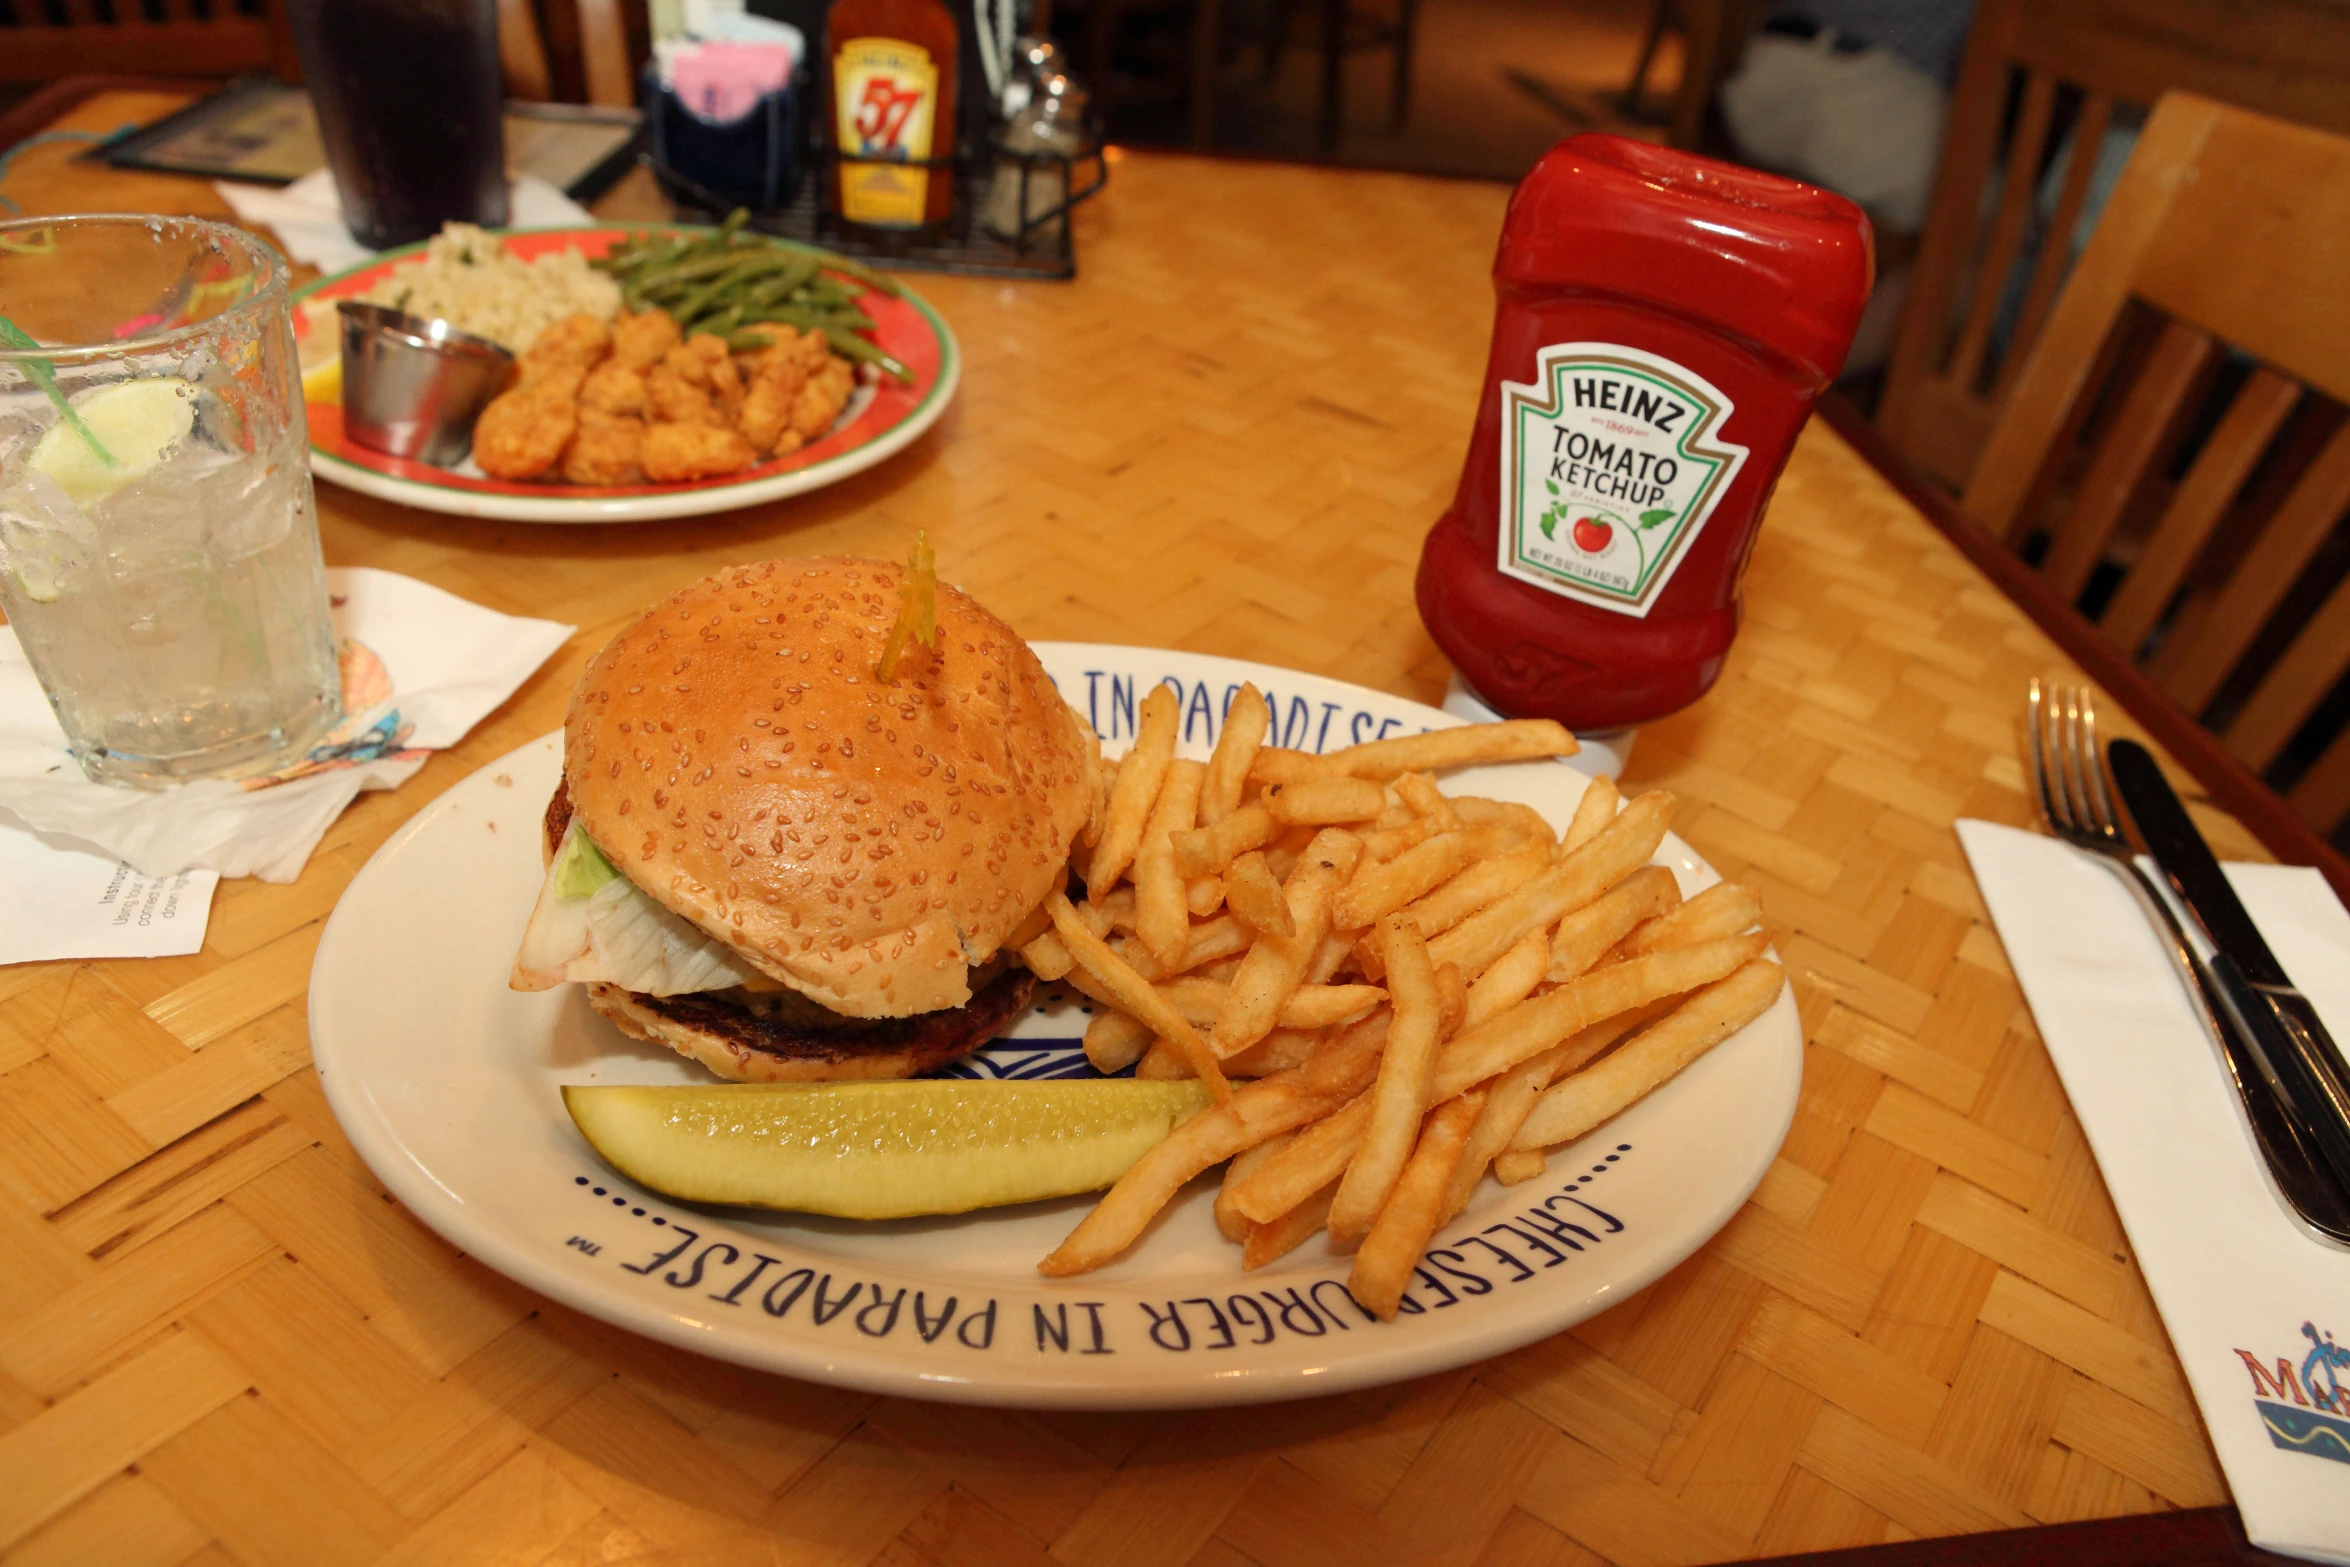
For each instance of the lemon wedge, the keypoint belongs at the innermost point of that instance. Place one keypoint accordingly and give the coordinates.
(136, 421)
(881, 1150)
(323, 383)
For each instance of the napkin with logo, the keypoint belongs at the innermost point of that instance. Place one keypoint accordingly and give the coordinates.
(2253, 1300)
(307, 216)
(420, 667)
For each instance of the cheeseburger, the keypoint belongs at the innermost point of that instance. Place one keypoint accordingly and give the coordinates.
(790, 842)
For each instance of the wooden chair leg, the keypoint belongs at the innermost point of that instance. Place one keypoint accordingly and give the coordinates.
(1207, 25)
(1276, 38)
(1333, 72)
(1407, 20)
(1658, 20)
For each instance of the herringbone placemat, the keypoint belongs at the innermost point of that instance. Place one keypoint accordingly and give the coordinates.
(219, 1341)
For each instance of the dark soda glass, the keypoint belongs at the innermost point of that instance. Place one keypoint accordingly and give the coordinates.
(408, 97)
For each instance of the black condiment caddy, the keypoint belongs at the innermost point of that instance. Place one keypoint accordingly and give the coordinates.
(961, 243)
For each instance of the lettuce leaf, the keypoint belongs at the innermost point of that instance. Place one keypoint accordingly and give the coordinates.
(591, 923)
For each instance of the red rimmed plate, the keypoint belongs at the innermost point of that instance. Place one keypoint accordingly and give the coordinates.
(882, 418)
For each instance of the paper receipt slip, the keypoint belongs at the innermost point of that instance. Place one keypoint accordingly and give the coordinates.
(69, 903)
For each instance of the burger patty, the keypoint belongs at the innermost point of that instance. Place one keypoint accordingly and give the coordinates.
(916, 1044)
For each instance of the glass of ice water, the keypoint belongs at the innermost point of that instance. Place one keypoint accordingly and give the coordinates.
(158, 543)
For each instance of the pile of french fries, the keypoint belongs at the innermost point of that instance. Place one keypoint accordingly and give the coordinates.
(1388, 990)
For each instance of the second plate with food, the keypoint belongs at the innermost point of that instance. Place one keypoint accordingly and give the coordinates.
(449, 1084)
(883, 415)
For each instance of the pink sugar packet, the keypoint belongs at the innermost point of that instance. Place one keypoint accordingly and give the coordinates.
(719, 82)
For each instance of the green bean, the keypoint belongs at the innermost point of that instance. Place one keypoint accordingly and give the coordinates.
(710, 294)
(721, 323)
(850, 346)
(748, 342)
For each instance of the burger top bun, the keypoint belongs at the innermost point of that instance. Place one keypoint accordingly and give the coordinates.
(734, 756)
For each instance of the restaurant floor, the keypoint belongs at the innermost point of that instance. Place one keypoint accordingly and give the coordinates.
(1494, 84)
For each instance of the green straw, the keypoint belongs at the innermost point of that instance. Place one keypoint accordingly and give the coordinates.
(45, 377)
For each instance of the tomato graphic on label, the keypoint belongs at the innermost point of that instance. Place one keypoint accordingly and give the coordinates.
(1592, 534)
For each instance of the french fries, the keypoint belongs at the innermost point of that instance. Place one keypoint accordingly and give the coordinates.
(1399, 1097)
(1284, 1235)
(1206, 851)
(1380, 890)
(1254, 1112)
(1134, 993)
(1383, 1266)
(1585, 936)
(1595, 810)
(1245, 724)
(1471, 745)
(1276, 965)
(1162, 918)
(1255, 896)
(1140, 772)
(1388, 990)
(1621, 847)
(1319, 802)
(1723, 909)
(1713, 1015)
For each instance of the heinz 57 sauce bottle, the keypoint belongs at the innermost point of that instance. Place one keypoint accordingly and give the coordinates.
(1664, 322)
(892, 91)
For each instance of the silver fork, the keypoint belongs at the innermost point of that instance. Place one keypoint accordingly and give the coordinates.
(2076, 801)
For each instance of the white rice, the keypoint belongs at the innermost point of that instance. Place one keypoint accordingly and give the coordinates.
(469, 279)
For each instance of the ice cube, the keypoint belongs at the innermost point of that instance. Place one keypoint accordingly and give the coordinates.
(45, 539)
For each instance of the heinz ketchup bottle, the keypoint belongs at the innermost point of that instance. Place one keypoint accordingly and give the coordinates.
(1664, 323)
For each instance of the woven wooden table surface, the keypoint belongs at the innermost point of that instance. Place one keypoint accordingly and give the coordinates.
(220, 1341)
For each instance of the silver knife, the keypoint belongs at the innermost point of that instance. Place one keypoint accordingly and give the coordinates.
(2296, 1054)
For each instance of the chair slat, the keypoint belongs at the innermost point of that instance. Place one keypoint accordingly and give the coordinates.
(2007, 230)
(523, 53)
(2056, 241)
(2252, 421)
(2142, 431)
(2066, 362)
(1969, 147)
(2260, 579)
(2290, 692)
(604, 54)
(2322, 797)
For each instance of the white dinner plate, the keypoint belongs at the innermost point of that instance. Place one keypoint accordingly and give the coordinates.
(447, 1083)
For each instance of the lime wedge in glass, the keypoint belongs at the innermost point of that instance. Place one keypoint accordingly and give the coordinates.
(135, 421)
(881, 1150)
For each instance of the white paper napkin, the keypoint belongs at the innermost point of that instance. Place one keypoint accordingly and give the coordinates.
(2253, 1300)
(420, 668)
(307, 216)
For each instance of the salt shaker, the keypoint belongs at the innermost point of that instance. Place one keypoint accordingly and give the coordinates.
(1052, 122)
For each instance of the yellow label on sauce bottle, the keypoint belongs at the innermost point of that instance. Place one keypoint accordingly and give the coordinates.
(885, 97)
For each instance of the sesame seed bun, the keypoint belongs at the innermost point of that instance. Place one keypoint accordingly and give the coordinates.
(866, 845)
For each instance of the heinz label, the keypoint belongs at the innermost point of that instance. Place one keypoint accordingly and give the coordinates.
(1610, 466)
(885, 93)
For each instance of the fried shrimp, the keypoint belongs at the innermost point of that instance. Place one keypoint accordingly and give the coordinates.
(604, 450)
(637, 400)
(821, 398)
(575, 342)
(640, 340)
(523, 431)
(675, 451)
(615, 387)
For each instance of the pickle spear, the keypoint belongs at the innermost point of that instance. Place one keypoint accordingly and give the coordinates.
(880, 1150)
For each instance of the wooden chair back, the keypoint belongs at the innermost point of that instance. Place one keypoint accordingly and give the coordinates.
(570, 50)
(2176, 440)
(219, 40)
(2041, 76)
